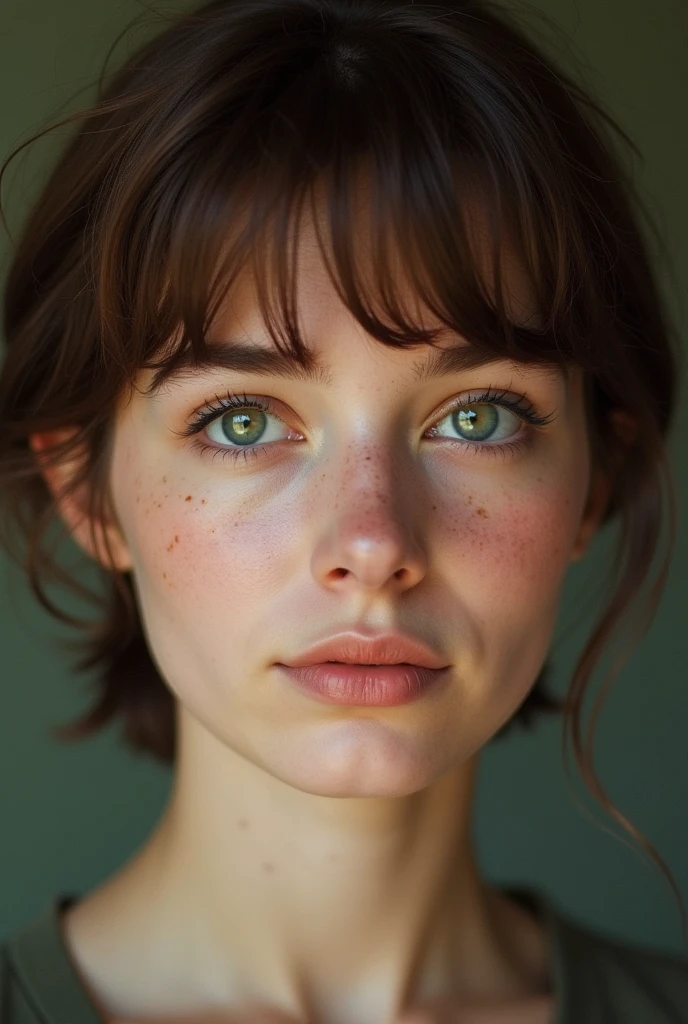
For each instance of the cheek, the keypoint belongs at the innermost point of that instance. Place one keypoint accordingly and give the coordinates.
(525, 539)
(212, 554)
(507, 550)
(517, 528)
(505, 545)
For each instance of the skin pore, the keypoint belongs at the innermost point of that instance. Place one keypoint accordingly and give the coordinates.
(314, 858)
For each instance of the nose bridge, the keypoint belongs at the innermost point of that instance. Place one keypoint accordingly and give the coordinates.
(370, 478)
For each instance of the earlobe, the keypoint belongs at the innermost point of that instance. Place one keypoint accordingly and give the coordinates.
(72, 507)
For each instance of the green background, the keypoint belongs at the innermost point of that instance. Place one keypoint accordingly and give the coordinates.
(71, 814)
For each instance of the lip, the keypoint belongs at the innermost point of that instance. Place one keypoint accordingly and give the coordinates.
(365, 685)
(369, 649)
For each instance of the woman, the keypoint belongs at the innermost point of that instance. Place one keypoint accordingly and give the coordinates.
(333, 340)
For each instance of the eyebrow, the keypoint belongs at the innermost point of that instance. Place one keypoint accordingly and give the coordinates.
(238, 355)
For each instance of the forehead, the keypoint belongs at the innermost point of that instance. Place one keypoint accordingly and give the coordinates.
(310, 242)
(317, 297)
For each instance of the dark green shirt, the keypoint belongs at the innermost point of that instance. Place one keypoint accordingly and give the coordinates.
(596, 979)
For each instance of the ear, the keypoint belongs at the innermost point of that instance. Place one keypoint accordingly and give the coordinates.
(73, 507)
(599, 493)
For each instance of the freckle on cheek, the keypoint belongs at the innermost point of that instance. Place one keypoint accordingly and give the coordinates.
(187, 498)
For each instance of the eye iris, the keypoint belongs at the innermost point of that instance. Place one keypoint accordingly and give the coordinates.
(245, 431)
(476, 422)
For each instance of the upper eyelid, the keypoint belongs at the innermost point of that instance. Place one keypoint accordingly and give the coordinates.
(220, 403)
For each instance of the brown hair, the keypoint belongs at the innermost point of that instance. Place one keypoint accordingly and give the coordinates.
(230, 116)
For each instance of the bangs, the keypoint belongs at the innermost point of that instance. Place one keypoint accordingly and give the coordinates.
(451, 184)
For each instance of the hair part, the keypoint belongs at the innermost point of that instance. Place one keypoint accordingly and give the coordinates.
(196, 160)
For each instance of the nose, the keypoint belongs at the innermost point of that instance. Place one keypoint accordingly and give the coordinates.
(370, 536)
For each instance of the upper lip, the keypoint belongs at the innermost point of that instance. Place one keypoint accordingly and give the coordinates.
(356, 648)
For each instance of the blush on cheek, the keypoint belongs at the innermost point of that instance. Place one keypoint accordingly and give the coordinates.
(526, 540)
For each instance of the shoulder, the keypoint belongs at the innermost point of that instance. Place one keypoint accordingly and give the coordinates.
(620, 982)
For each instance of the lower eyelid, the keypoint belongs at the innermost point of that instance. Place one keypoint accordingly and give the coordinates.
(478, 448)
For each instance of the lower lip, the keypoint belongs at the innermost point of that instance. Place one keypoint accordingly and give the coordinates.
(368, 685)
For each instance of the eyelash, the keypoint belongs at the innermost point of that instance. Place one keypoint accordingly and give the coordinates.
(523, 408)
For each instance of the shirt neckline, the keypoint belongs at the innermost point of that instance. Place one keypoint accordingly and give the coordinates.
(41, 961)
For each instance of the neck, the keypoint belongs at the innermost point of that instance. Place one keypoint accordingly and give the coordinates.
(332, 909)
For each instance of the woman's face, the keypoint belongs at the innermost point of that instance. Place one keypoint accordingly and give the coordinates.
(242, 563)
